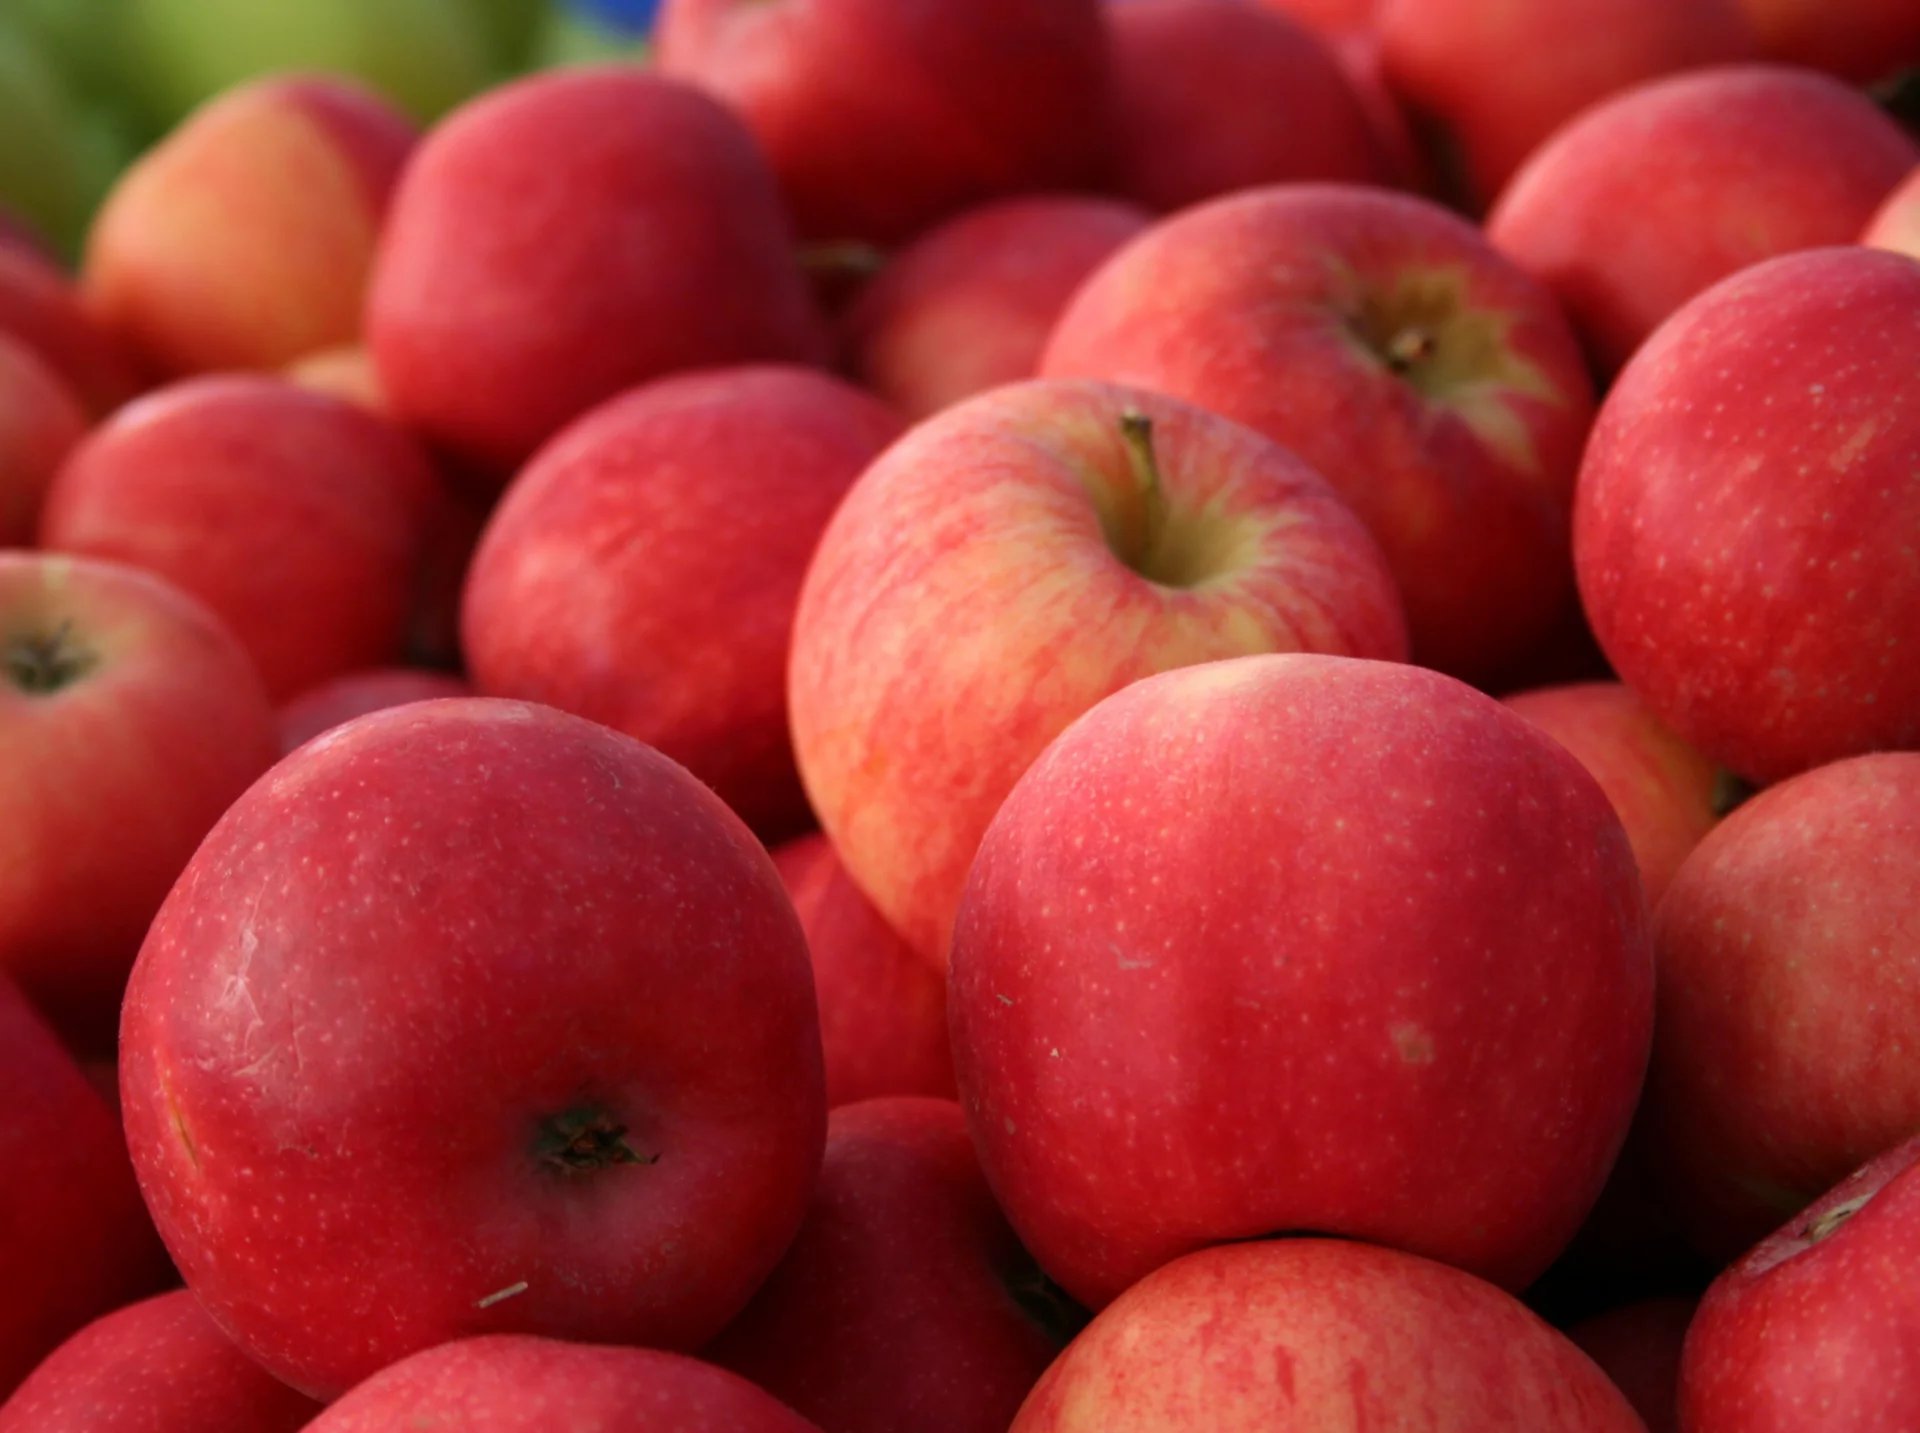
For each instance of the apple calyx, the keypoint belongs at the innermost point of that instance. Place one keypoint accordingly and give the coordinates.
(581, 1141)
(42, 663)
(1829, 1223)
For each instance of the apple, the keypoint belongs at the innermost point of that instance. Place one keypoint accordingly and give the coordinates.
(883, 1010)
(1638, 1347)
(341, 372)
(1746, 522)
(130, 719)
(157, 1366)
(357, 694)
(881, 118)
(1897, 224)
(1858, 40)
(1435, 386)
(1320, 1334)
(300, 519)
(905, 1302)
(41, 421)
(1789, 985)
(38, 307)
(566, 237)
(245, 238)
(1336, 18)
(472, 1017)
(1013, 560)
(1651, 197)
(1816, 1326)
(515, 1384)
(969, 304)
(1186, 1009)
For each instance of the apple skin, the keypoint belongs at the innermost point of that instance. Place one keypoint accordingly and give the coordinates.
(1651, 197)
(903, 1302)
(1664, 791)
(472, 1017)
(1859, 40)
(199, 481)
(157, 1366)
(1284, 308)
(1896, 225)
(971, 598)
(1335, 18)
(1789, 987)
(39, 307)
(643, 570)
(1171, 1034)
(968, 305)
(1320, 1334)
(1638, 1347)
(881, 118)
(41, 422)
(1816, 1326)
(1458, 66)
(113, 778)
(357, 694)
(883, 1010)
(566, 237)
(514, 1384)
(1210, 98)
(342, 372)
(1745, 523)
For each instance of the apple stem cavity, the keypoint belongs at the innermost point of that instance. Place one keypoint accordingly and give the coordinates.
(1409, 348)
(42, 663)
(1141, 554)
(582, 1141)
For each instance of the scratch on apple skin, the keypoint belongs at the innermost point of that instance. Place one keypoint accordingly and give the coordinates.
(180, 1127)
(500, 1296)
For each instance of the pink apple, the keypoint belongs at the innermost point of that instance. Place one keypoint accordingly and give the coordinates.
(905, 1302)
(472, 1017)
(881, 118)
(1638, 1347)
(41, 422)
(1858, 40)
(643, 570)
(158, 1366)
(968, 305)
(1320, 1334)
(130, 719)
(1896, 225)
(1789, 988)
(1186, 1008)
(1012, 561)
(883, 1010)
(1436, 387)
(1651, 197)
(358, 694)
(1747, 515)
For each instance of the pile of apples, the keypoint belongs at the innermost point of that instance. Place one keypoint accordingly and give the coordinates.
(982, 715)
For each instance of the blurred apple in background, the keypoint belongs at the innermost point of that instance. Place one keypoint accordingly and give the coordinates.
(41, 421)
(1638, 1347)
(1897, 224)
(1859, 40)
(338, 701)
(39, 306)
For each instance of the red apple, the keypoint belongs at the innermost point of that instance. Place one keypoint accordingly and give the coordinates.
(39, 308)
(41, 421)
(881, 118)
(472, 1017)
(1789, 990)
(643, 570)
(158, 1366)
(968, 305)
(1320, 1334)
(300, 519)
(1653, 196)
(1437, 388)
(130, 719)
(1816, 1327)
(565, 237)
(1172, 1032)
(905, 1302)
(1331, 17)
(883, 1010)
(1897, 224)
(1012, 561)
(1746, 523)
(1855, 39)
(1638, 1347)
(507, 1384)
(336, 702)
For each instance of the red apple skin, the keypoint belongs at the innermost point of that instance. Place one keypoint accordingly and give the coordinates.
(1336, 18)
(406, 958)
(1320, 1334)
(300, 519)
(1650, 198)
(899, 1305)
(643, 570)
(336, 702)
(1275, 308)
(1816, 1327)
(1859, 40)
(1638, 1347)
(881, 119)
(1789, 988)
(883, 1010)
(565, 237)
(1896, 225)
(39, 307)
(971, 598)
(1173, 1034)
(78, 1241)
(1744, 529)
(41, 422)
(514, 1384)
(1210, 98)
(111, 780)
(158, 1366)
(1663, 790)
(968, 305)
(1459, 66)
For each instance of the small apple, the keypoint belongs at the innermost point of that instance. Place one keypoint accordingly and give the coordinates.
(1638, 1347)
(38, 306)
(41, 422)
(357, 694)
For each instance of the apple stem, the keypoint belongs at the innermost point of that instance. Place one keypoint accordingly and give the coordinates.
(1409, 348)
(44, 662)
(1137, 428)
(585, 1140)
